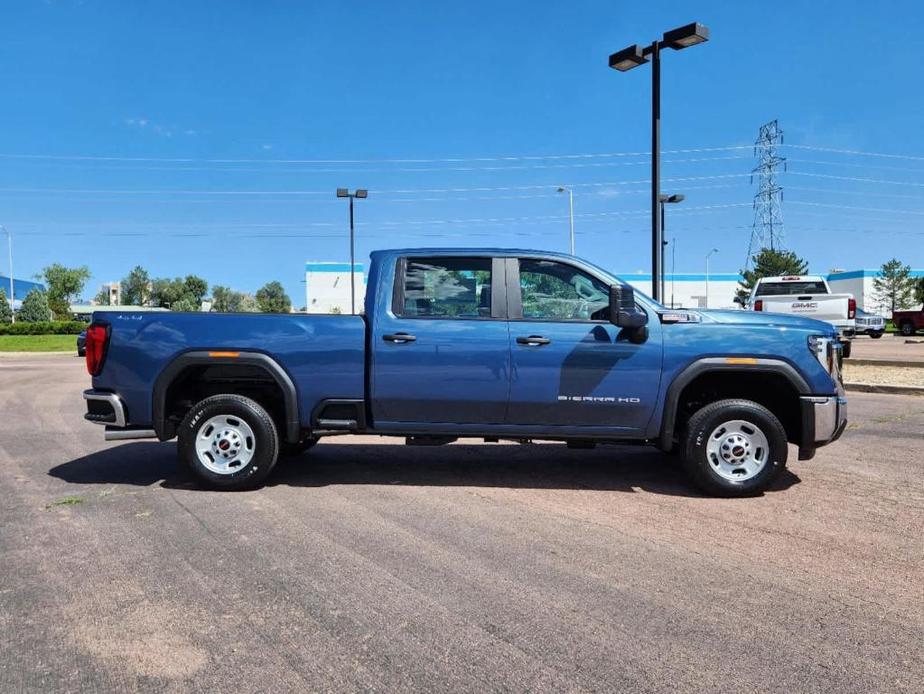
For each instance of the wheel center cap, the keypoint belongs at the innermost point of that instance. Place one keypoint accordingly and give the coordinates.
(224, 444)
(738, 451)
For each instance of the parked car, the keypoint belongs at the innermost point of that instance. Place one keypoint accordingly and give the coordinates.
(908, 322)
(869, 324)
(82, 343)
(804, 295)
(491, 344)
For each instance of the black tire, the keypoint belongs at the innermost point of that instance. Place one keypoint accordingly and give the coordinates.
(907, 328)
(706, 421)
(295, 449)
(265, 443)
(846, 347)
(875, 335)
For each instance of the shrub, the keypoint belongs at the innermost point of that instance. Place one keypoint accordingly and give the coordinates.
(42, 328)
(6, 313)
(35, 308)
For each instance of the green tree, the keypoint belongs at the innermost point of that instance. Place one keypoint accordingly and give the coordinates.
(136, 287)
(226, 300)
(166, 292)
(186, 303)
(195, 287)
(249, 303)
(770, 262)
(102, 297)
(272, 298)
(35, 307)
(64, 285)
(894, 287)
(6, 311)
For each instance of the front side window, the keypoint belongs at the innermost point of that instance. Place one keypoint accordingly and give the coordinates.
(446, 288)
(557, 291)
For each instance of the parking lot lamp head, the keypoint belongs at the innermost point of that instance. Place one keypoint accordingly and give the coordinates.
(362, 193)
(685, 36)
(627, 58)
(343, 193)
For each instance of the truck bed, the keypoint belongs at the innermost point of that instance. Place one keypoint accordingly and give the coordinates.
(323, 355)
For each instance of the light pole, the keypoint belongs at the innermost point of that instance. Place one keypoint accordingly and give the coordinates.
(708, 255)
(631, 57)
(9, 244)
(360, 193)
(667, 199)
(570, 192)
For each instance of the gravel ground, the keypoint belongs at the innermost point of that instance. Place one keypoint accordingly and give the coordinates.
(464, 568)
(883, 375)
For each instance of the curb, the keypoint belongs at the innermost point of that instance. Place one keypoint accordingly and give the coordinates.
(885, 362)
(879, 388)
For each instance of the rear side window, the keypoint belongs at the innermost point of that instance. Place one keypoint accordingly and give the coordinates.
(446, 288)
(790, 288)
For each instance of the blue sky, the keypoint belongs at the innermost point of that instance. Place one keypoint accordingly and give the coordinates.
(209, 137)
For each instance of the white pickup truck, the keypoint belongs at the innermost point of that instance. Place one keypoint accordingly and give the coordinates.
(805, 295)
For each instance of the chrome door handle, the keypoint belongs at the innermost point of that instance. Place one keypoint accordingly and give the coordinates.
(533, 340)
(399, 338)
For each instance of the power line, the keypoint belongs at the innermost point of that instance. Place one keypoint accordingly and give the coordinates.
(450, 160)
(814, 148)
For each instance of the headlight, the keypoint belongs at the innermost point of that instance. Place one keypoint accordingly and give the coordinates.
(829, 352)
(823, 349)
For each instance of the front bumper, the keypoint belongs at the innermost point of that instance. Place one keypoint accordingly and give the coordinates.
(824, 419)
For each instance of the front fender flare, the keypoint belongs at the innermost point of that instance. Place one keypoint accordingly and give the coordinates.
(712, 364)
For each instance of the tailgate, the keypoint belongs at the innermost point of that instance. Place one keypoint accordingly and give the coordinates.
(826, 307)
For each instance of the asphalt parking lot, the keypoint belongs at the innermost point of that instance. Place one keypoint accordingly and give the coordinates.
(364, 566)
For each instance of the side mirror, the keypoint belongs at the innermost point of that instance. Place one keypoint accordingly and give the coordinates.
(623, 311)
(739, 300)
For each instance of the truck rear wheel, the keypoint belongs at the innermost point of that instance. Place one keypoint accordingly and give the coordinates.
(734, 448)
(907, 328)
(228, 442)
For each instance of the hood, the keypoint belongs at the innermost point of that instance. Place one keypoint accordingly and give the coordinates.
(742, 317)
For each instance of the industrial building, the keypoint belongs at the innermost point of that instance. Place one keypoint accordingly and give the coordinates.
(20, 289)
(327, 287)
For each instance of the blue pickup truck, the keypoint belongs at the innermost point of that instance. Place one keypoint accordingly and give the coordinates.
(490, 344)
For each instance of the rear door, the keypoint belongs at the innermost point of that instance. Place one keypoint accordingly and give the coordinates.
(441, 353)
(571, 367)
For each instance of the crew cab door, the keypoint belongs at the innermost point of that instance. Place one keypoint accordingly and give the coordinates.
(571, 367)
(440, 354)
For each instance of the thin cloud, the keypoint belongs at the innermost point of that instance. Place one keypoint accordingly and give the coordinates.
(147, 125)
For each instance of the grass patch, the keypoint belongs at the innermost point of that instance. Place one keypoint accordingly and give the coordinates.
(66, 501)
(38, 343)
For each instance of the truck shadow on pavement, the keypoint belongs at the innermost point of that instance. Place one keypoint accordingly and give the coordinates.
(607, 468)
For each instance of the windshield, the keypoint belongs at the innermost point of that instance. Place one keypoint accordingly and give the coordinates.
(790, 288)
(606, 275)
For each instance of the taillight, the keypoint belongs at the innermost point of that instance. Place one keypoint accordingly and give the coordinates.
(759, 305)
(851, 308)
(96, 346)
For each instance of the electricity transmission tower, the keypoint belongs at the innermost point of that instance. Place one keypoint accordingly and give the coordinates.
(767, 229)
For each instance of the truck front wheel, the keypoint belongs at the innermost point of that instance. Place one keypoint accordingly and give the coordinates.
(907, 328)
(734, 448)
(228, 442)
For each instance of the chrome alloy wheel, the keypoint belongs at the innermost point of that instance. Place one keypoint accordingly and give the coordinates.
(737, 450)
(225, 444)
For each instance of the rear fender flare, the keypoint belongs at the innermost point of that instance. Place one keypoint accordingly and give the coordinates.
(202, 358)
